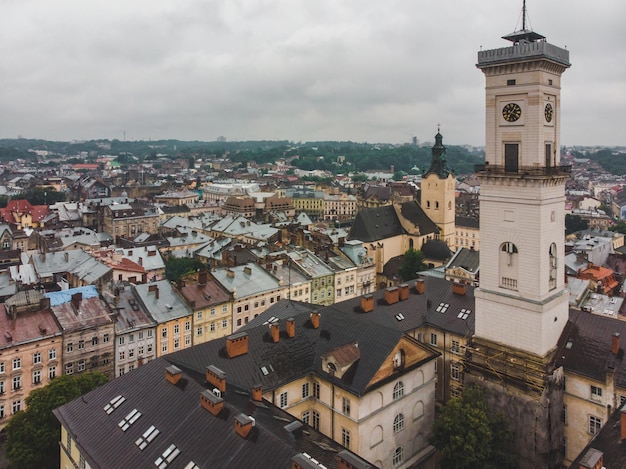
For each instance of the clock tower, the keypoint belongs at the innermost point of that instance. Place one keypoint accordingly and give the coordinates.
(522, 304)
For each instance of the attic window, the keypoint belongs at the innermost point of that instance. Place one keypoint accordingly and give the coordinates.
(463, 314)
(167, 457)
(145, 439)
(399, 316)
(442, 308)
(266, 370)
(129, 419)
(114, 404)
(191, 465)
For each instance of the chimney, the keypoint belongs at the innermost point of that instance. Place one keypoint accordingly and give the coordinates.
(173, 374)
(315, 319)
(622, 421)
(367, 303)
(216, 378)
(237, 344)
(230, 273)
(391, 295)
(349, 460)
(211, 402)
(420, 286)
(67, 256)
(202, 277)
(76, 299)
(247, 270)
(275, 332)
(256, 393)
(615, 343)
(290, 327)
(459, 288)
(404, 291)
(154, 288)
(243, 425)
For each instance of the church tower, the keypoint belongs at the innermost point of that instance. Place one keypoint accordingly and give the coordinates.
(437, 192)
(522, 304)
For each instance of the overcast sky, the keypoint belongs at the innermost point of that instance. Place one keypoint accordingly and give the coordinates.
(300, 70)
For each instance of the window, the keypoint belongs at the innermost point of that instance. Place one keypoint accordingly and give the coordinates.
(595, 424)
(433, 338)
(398, 456)
(164, 332)
(455, 371)
(564, 414)
(455, 346)
(36, 358)
(2, 412)
(398, 423)
(17, 383)
(121, 340)
(225, 307)
(315, 420)
(199, 314)
(511, 157)
(283, 399)
(52, 372)
(199, 330)
(316, 390)
(305, 390)
(187, 325)
(122, 355)
(131, 338)
(81, 365)
(398, 390)
(131, 353)
(238, 322)
(596, 393)
(149, 333)
(2, 367)
(212, 327)
(105, 338)
(176, 329)
(553, 265)
(510, 82)
(94, 340)
(81, 345)
(187, 340)
(224, 323)
(164, 347)
(17, 363)
(16, 406)
(140, 335)
(2, 387)
(176, 344)
(36, 376)
(345, 406)
(345, 437)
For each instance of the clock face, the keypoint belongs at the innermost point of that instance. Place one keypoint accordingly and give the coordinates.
(511, 112)
(548, 112)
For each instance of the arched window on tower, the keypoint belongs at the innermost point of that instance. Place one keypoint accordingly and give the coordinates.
(508, 263)
(428, 204)
(553, 266)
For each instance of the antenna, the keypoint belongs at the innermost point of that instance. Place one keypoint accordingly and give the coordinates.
(524, 15)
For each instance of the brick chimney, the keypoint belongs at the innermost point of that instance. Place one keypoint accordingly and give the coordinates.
(216, 378)
(420, 286)
(211, 402)
(275, 332)
(237, 344)
(403, 291)
(315, 319)
(202, 277)
(154, 288)
(290, 327)
(391, 295)
(459, 288)
(367, 303)
(256, 393)
(76, 300)
(173, 374)
(622, 421)
(243, 425)
(615, 343)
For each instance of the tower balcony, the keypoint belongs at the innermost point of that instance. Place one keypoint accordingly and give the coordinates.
(522, 52)
(522, 171)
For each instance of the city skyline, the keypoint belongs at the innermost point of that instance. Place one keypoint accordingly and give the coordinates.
(282, 70)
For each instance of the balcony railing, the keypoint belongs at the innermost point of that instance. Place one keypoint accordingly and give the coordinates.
(486, 168)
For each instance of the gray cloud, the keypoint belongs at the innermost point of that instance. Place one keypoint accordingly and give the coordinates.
(291, 69)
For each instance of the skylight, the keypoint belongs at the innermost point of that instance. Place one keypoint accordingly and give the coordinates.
(129, 419)
(191, 465)
(464, 313)
(149, 435)
(114, 404)
(442, 308)
(399, 316)
(167, 457)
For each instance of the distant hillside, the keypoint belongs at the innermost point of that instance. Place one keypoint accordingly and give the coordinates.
(612, 161)
(338, 157)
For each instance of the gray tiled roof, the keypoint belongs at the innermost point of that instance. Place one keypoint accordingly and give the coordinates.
(244, 284)
(165, 306)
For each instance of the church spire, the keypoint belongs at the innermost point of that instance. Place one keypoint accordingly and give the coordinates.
(438, 162)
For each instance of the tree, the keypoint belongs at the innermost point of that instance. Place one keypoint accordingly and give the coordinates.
(412, 263)
(177, 267)
(470, 436)
(41, 196)
(574, 223)
(33, 434)
(619, 227)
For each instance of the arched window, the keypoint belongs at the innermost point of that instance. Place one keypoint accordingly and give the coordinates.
(428, 204)
(553, 266)
(398, 390)
(449, 205)
(398, 423)
(508, 263)
(411, 243)
(398, 456)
